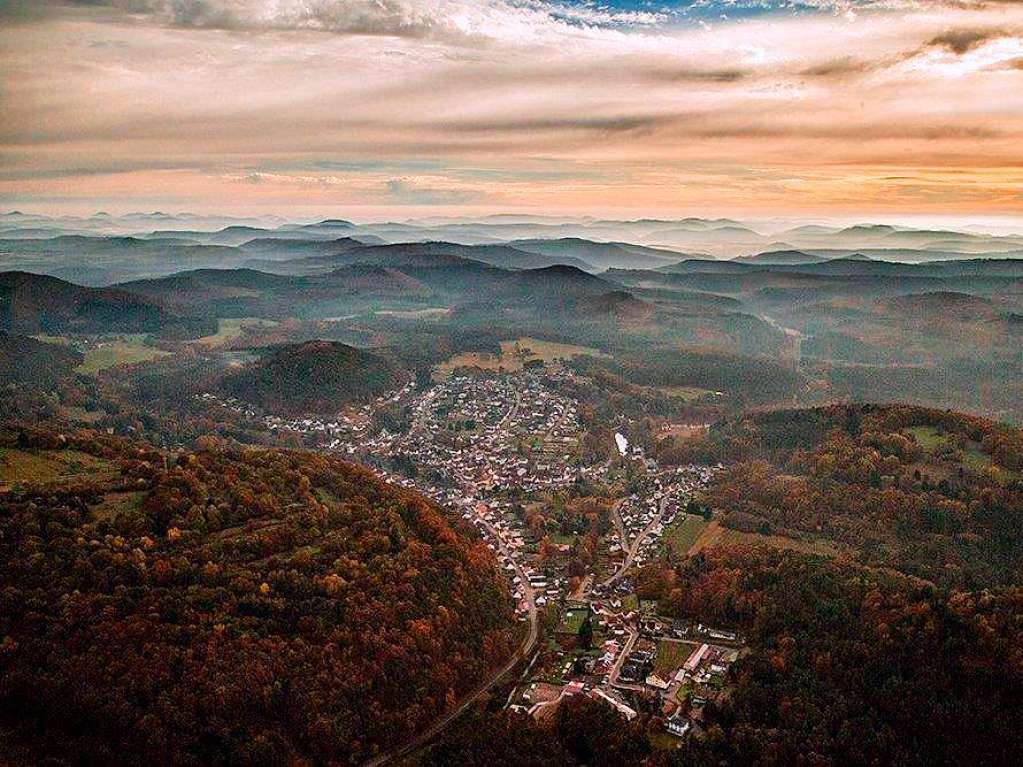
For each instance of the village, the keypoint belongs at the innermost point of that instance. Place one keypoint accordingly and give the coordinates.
(485, 446)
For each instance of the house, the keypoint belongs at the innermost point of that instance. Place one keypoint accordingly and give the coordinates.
(678, 726)
(694, 659)
(655, 681)
(651, 626)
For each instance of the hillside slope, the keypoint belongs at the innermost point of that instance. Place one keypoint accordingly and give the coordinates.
(313, 377)
(24, 360)
(239, 607)
(31, 303)
(601, 255)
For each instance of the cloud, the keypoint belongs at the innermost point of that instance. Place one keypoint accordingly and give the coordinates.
(413, 190)
(839, 68)
(450, 20)
(491, 102)
(961, 41)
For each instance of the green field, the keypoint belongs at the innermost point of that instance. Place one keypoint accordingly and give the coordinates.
(682, 534)
(118, 353)
(230, 329)
(571, 621)
(929, 438)
(671, 656)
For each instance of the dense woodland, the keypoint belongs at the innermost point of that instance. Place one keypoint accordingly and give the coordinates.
(932, 493)
(26, 361)
(851, 665)
(230, 606)
(846, 665)
(313, 377)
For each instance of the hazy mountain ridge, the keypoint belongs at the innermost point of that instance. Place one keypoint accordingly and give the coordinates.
(31, 304)
(144, 245)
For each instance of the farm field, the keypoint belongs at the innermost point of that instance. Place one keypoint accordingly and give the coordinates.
(671, 655)
(230, 329)
(514, 356)
(117, 353)
(681, 535)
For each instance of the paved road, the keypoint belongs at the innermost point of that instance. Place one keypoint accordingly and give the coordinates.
(616, 515)
(616, 669)
(634, 548)
(525, 649)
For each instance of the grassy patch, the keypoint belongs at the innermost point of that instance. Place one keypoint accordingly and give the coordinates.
(116, 353)
(230, 329)
(115, 504)
(31, 466)
(560, 539)
(682, 534)
(687, 393)
(671, 656)
(81, 415)
(664, 741)
(929, 438)
(427, 313)
(571, 621)
(972, 457)
(719, 535)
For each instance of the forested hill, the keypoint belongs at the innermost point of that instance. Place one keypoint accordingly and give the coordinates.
(314, 377)
(932, 493)
(236, 607)
(24, 360)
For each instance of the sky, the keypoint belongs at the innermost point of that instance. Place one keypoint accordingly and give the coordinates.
(409, 108)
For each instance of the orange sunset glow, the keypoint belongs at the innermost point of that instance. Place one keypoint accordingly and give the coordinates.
(409, 107)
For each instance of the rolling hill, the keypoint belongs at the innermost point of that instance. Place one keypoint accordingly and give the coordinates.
(99, 261)
(600, 255)
(31, 303)
(619, 304)
(240, 606)
(25, 360)
(777, 257)
(313, 377)
(419, 254)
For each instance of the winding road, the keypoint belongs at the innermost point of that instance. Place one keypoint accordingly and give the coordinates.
(525, 649)
(636, 543)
